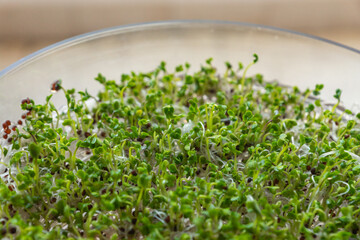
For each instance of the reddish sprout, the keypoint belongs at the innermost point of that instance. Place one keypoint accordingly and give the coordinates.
(56, 86)
(26, 100)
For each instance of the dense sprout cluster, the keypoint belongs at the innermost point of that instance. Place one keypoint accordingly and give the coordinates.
(180, 155)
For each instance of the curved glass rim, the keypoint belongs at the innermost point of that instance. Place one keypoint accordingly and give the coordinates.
(105, 31)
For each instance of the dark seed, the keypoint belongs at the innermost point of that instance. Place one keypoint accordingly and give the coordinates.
(276, 181)
(14, 128)
(105, 169)
(90, 206)
(313, 171)
(134, 173)
(94, 117)
(226, 122)
(308, 167)
(122, 229)
(23, 116)
(12, 229)
(198, 172)
(67, 165)
(103, 134)
(120, 183)
(249, 180)
(3, 231)
(131, 231)
(205, 166)
(79, 132)
(88, 152)
(346, 136)
(212, 91)
(167, 219)
(53, 200)
(133, 221)
(5, 136)
(20, 122)
(9, 140)
(87, 134)
(11, 187)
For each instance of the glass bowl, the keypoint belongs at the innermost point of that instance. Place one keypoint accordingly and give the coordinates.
(285, 56)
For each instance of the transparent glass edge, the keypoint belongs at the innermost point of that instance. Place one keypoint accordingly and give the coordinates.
(130, 27)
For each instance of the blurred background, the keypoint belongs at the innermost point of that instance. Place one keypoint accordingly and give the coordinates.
(27, 26)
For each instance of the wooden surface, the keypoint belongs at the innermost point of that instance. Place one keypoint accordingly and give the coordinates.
(63, 18)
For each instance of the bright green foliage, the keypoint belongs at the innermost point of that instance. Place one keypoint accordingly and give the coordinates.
(174, 155)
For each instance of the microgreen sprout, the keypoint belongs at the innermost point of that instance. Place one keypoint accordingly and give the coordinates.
(174, 155)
